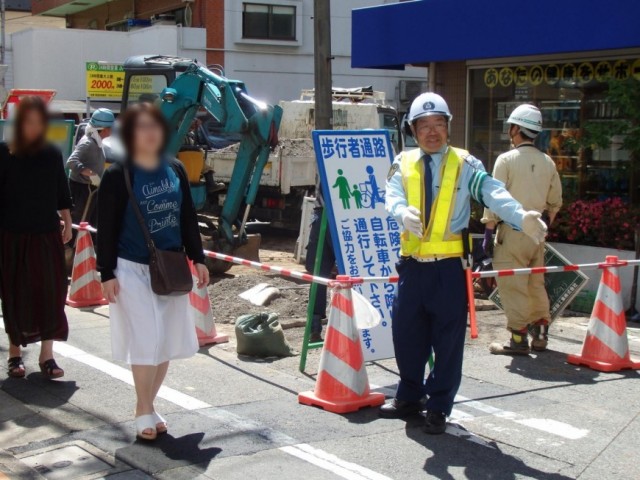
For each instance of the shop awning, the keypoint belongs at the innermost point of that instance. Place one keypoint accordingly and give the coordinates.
(422, 31)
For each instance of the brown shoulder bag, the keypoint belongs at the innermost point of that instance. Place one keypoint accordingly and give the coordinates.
(169, 270)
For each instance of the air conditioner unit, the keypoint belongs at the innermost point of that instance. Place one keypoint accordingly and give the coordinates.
(410, 89)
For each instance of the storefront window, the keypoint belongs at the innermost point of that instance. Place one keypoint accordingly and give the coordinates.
(569, 94)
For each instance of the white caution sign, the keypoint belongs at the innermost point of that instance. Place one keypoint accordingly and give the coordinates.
(353, 167)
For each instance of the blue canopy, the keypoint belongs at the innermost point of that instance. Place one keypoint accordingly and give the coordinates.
(422, 31)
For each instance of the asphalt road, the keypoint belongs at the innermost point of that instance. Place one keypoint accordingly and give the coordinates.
(235, 418)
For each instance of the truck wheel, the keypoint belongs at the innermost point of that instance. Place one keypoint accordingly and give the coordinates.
(217, 267)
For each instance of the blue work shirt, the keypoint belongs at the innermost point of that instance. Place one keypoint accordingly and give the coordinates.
(160, 199)
(474, 183)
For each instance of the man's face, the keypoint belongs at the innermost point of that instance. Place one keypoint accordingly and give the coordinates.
(431, 133)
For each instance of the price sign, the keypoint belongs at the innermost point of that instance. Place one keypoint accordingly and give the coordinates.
(105, 80)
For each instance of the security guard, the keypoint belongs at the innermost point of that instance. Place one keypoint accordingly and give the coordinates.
(431, 187)
(531, 177)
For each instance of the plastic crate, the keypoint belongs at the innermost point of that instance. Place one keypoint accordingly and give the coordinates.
(583, 302)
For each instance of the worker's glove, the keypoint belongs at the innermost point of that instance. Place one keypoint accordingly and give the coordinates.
(534, 227)
(487, 243)
(411, 221)
(95, 180)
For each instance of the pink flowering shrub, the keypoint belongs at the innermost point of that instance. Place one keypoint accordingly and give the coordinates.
(600, 223)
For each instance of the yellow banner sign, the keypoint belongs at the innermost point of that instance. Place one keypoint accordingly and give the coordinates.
(106, 80)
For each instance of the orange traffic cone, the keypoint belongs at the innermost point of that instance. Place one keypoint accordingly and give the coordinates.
(205, 326)
(342, 385)
(85, 289)
(606, 347)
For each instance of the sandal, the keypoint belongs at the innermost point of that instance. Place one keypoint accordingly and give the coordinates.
(161, 423)
(144, 424)
(48, 367)
(15, 367)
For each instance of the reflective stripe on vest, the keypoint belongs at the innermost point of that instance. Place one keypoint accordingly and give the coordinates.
(438, 239)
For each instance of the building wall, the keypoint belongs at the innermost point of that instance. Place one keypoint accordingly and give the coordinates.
(276, 71)
(102, 15)
(451, 83)
(207, 14)
(50, 58)
(17, 21)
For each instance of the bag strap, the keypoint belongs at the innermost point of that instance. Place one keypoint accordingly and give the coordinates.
(136, 209)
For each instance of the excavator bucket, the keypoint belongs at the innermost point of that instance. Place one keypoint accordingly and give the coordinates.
(251, 249)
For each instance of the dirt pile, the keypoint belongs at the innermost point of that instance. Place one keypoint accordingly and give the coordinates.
(295, 147)
(291, 303)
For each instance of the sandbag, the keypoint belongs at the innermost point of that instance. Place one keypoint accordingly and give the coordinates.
(261, 335)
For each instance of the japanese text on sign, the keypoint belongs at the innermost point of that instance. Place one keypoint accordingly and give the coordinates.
(581, 74)
(353, 166)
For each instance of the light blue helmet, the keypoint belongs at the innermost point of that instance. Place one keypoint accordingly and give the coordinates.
(102, 118)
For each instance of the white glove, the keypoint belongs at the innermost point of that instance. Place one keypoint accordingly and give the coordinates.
(411, 221)
(534, 227)
(95, 180)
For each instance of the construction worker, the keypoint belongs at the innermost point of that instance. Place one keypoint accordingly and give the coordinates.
(428, 192)
(532, 179)
(86, 165)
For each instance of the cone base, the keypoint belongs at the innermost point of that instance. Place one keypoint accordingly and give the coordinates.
(600, 366)
(347, 406)
(210, 338)
(86, 303)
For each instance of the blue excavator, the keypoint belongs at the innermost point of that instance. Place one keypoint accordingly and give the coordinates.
(183, 88)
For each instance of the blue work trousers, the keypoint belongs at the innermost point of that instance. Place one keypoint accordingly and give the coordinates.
(430, 313)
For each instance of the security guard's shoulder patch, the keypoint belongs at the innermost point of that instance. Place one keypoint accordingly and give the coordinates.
(392, 171)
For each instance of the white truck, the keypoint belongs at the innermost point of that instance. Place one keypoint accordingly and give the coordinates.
(290, 174)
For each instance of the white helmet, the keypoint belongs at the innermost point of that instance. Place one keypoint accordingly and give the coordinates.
(528, 118)
(428, 104)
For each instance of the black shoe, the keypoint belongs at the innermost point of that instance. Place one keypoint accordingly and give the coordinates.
(315, 338)
(399, 409)
(435, 423)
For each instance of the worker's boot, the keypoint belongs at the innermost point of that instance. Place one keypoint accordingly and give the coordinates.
(518, 345)
(540, 333)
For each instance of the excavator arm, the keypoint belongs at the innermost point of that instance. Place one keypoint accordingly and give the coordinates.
(229, 103)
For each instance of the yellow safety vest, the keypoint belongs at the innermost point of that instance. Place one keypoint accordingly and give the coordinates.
(438, 241)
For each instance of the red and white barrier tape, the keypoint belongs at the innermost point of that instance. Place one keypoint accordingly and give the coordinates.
(394, 279)
(270, 268)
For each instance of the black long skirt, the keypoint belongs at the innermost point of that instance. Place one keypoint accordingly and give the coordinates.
(33, 286)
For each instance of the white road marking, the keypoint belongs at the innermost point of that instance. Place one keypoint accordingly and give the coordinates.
(315, 456)
(327, 461)
(547, 425)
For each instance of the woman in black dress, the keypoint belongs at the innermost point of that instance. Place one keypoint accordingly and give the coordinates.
(34, 198)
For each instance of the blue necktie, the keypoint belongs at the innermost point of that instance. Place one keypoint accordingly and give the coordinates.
(428, 188)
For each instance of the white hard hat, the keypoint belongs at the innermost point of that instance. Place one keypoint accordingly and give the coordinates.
(428, 104)
(527, 117)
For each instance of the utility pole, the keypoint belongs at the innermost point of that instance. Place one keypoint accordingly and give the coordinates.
(322, 64)
(2, 32)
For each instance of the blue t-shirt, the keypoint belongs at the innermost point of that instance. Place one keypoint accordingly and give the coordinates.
(160, 198)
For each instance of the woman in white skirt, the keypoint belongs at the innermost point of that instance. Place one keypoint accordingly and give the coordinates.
(147, 330)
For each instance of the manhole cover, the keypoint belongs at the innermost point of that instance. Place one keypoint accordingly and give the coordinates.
(66, 463)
